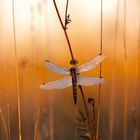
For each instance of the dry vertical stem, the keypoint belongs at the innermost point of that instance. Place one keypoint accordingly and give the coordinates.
(4, 124)
(101, 50)
(17, 71)
(125, 75)
(36, 125)
(92, 102)
(8, 114)
(64, 27)
(87, 113)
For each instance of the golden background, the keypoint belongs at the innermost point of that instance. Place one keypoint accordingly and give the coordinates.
(39, 36)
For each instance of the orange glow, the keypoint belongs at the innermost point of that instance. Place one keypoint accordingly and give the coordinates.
(40, 37)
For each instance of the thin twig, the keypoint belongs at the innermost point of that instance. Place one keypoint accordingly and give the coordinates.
(8, 117)
(66, 13)
(36, 125)
(4, 124)
(92, 102)
(98, 113)
(70, 49)
(87, 113)
(137, 69)
(125, 75)
(64, 29)
(101, 50)
(17, 71)
(124, 31)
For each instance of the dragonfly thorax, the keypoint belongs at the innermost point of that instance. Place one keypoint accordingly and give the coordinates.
(73, 71)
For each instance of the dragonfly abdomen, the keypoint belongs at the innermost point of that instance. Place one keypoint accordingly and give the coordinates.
(74, 87)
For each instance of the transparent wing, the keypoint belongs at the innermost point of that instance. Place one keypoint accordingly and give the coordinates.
(56, 68)
(88, 80)
(58, 84)
(91, 64)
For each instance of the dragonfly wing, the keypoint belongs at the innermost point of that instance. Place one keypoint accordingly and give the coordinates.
(88, 80)
(56, 68)
(58, 84)
(91, 64)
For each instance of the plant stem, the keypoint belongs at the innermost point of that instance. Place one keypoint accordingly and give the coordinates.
(8, 117)
(64, 29)
(66, 12)
(94, 124)
(17, 71)
(4, 124)
(72, 56)
(100, 74)
(87, 113)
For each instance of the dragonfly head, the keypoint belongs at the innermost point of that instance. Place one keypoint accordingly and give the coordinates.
(73, 62)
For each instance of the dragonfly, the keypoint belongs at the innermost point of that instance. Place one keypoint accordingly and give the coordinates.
(74, 78)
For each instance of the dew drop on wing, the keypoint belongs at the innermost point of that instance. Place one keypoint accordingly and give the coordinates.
(56, 68)
(58, 84)
(91, 64)
(88, 80)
